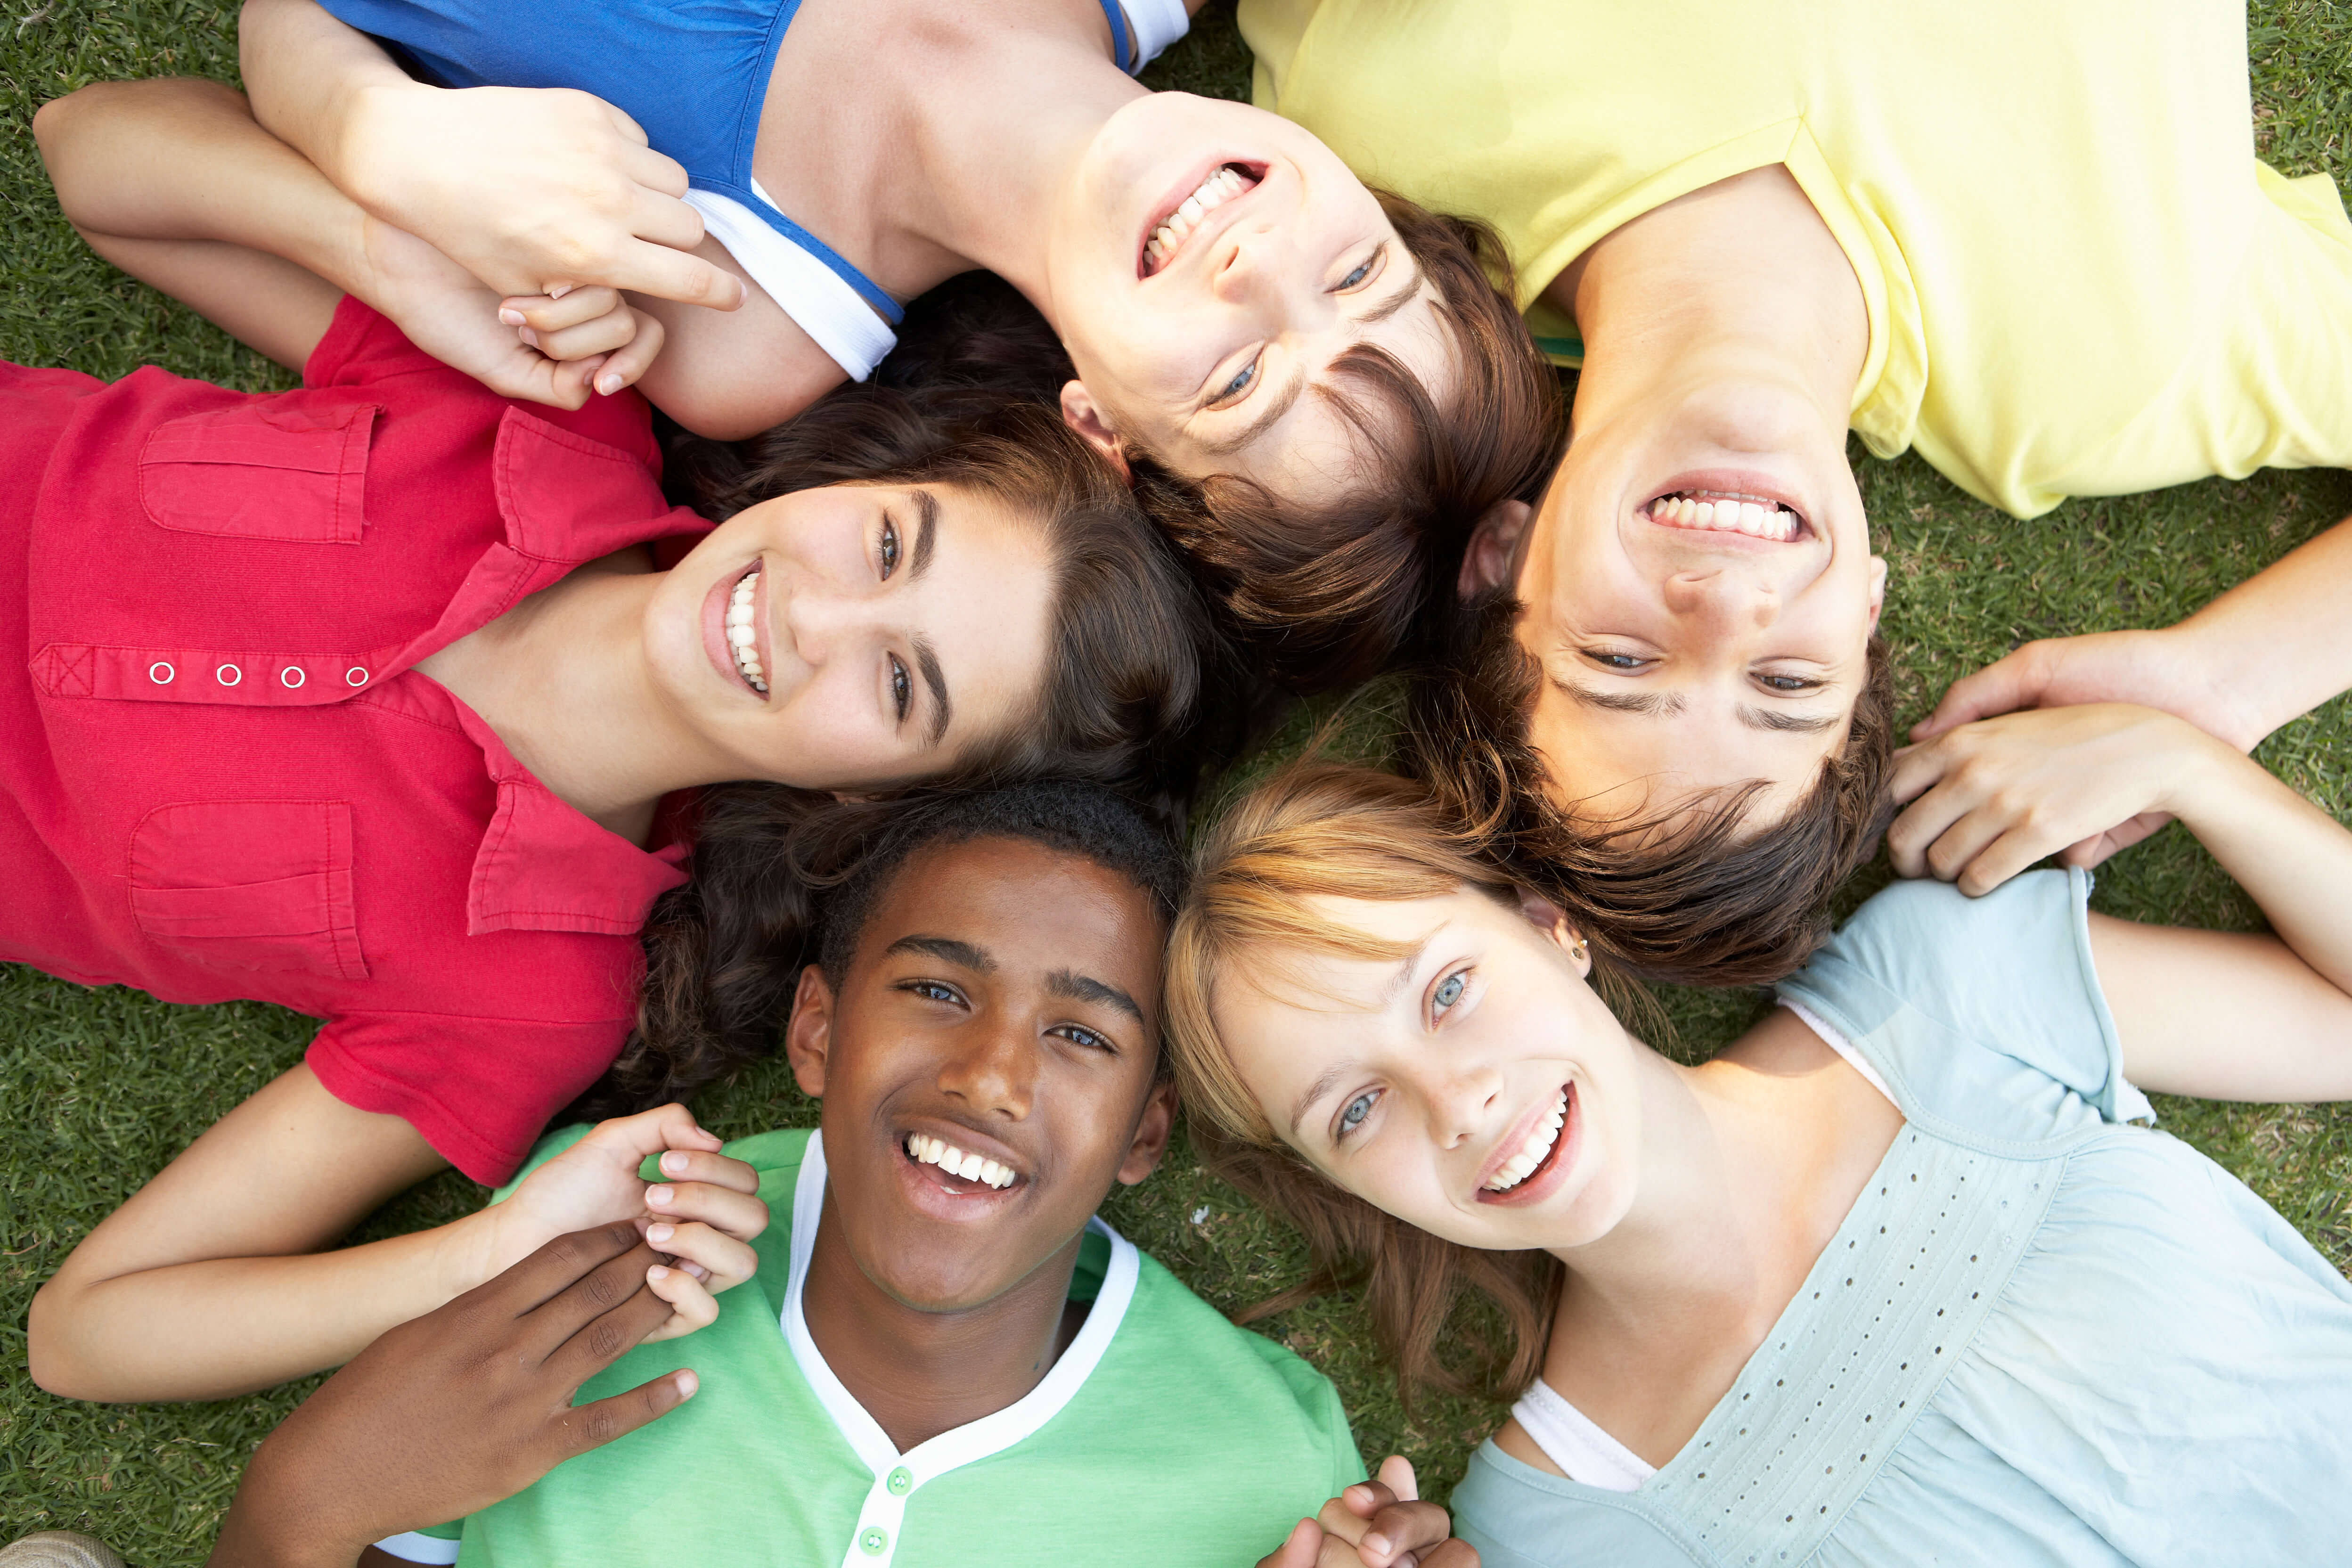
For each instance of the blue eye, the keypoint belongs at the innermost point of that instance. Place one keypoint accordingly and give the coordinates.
(1357, 1110)
(1240, 384)
(1078, 1034)
(1449, 992)
(1357, 276)
(931, 991)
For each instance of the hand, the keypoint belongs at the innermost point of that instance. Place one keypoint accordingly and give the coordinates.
(1988, 799)
(704, 1218)
(531, 190)
(595, 323)
(449, 315)
(1376, 1524)
(2159, 669)
(450, 1412)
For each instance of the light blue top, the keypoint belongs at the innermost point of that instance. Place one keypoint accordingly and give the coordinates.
(2042, 1335)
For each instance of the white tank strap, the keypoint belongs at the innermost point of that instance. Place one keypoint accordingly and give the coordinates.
(1568, 1437)
(817, 299)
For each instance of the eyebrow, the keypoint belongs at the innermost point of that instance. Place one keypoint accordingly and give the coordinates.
(1398, 299)
(927, 662)
(1075, 988)
(927, 528)
(947, 950)
(1667, 703)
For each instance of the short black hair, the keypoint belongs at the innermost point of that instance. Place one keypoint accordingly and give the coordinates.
(1063, 814)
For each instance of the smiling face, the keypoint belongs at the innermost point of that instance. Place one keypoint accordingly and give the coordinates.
(1699, 594)
(1476, 1088)
(1207, 263)
(855, 636)
(1000, 1010)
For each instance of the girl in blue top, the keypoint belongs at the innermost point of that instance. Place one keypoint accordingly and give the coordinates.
(1316, 386)
(1897, 1277)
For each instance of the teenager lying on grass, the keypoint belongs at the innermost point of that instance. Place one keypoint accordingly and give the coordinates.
(944, 1357)
(1317, 388)
(2037, 248)
(1894, 1277)
(387, 700)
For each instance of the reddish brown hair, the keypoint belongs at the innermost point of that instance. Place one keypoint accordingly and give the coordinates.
(1331, 595)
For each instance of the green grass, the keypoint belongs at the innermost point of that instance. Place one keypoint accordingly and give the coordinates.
(99, 1089)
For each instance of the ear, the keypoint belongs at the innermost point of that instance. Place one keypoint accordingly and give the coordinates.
(1494, 541)
(1552, 922)
(1152, 1132)
(808, 1037)
(1082, 414)
(1877, 588)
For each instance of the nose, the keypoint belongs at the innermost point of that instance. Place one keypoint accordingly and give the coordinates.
(1462, 1105)
(818, 616)
(1240, 270)
(993, 1069)
(1721, 601)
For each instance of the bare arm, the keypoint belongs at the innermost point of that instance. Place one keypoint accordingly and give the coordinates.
(530, 189)
(210, 1281)
(175, 181)
(2221, 1016)
(2266, 652)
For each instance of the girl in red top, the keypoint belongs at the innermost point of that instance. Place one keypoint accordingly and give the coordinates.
(374, 700)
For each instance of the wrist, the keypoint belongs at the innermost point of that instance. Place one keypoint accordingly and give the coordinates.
(276, 1520)
(2207, 774)
(2224, 687)
(361, 148)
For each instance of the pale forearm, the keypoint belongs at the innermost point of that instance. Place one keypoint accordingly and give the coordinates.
(2280, 644)
(309, 77)
(226, 1326)
(185, 159)
(2292, 858)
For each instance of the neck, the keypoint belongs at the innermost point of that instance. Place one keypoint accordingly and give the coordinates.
(1740, 284)
(563, 680)
(918, 1372)
(991, 158)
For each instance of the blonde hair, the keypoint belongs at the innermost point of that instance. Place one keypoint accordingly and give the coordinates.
(1325, 830)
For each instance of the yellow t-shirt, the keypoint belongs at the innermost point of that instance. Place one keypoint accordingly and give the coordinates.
(2080, 280)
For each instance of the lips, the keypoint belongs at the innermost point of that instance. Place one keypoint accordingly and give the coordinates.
(737, 607)
(1727, 504)
(951, 1172)
(1186, 214)
(1531, 1160)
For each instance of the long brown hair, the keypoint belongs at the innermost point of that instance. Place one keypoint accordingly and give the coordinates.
(1695, 896)
(1327, 595)
(1325, 829)
(1121, 705)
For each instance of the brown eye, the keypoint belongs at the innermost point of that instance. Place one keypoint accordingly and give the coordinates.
(889, 546)
(902, 688)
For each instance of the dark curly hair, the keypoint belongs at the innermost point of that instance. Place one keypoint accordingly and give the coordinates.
(1695, 897)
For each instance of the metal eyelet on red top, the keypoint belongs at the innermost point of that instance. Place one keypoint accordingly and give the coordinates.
(292, 678)
(355, 676)
(161, 672)
(228, 675)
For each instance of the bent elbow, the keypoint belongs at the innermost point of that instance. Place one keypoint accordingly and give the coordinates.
(49, 1349)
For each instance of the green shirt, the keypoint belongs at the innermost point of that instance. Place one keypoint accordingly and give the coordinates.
(1163, 1434)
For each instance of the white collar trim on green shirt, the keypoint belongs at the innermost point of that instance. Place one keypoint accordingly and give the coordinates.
(976, 1439)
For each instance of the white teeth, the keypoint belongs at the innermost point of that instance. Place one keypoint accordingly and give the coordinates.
(926, 1150)
(1221, 186)
(742, 636)
(1727, 514)
(1530, 1153)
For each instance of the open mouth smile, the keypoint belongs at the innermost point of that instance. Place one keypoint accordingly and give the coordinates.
(1728, 512)
(958, 1169)
(1185, 216)
(744, 631)
(1535, 1153)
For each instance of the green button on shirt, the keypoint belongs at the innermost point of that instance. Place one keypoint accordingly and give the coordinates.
(1163, 1434)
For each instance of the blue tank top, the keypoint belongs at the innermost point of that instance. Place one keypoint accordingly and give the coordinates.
(692, 73)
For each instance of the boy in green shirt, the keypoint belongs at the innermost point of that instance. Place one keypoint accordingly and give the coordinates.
(944, 1358)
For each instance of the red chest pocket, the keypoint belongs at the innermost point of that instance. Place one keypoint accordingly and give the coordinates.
(288, 467)
(249, 884)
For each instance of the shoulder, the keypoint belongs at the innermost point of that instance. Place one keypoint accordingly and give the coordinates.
(1974, 1008)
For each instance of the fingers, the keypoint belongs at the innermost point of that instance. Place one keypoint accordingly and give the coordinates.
(1298, 1548)
(2001, 687)
(738, 1214)
(675, 274)
(593, 1425)
(722, 1261)
(1400, 1532)
(656, 171)
(691, 1304)
(557, 1267)
(1452, 1553)
(626, 365)
(652, 1131)
(1396, 1474)
(600, 1315)
(710, 1169)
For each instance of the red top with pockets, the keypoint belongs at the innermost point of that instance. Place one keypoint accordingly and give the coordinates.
(219, 776)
